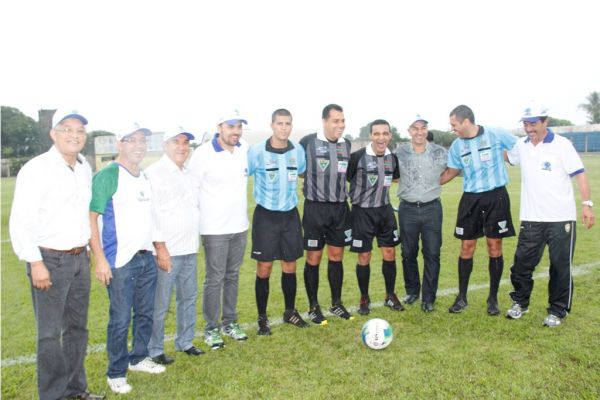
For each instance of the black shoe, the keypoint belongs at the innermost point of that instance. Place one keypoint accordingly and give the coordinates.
(88, 396)
(163, 359)
(316, 316)
(264, 329)
(410, 298)
(364, 306)
(427, 306)
(292, 317)
(340, 311)
(492, 306)
(393, 302)
(194, 351)
(459, 305)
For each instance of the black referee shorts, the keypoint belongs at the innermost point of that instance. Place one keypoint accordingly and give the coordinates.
(326, 223)
(367, 223)
(484, 214)
(276, 235)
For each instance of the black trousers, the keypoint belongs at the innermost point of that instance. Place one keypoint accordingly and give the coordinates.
(533, 238)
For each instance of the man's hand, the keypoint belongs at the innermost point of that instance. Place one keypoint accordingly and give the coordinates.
(588, 216)
(163, 258)
(103, 272)
(40, 277)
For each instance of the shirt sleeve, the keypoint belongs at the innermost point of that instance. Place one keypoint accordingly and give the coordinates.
(301, 159)
(454, 160)
(396, 174)
(104, 186)
(252, 161)
(507, 139)
(27, 200)
(513, 155)
(571, 160)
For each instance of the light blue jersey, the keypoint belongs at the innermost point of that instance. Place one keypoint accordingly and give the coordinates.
(275, 174)
(481, 158)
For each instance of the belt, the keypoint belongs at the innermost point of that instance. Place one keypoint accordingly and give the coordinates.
(74, 251)
(419, 203)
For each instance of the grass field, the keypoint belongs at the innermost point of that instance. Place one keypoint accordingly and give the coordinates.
(438, 355)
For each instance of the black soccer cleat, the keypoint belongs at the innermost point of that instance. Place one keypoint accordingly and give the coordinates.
(292, 317)
(340, 311)
(264, 329)
(316, 316)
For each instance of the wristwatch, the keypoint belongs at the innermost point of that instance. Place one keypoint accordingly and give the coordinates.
(588, 203)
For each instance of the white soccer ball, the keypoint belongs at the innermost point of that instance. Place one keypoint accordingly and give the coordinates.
(377, 333)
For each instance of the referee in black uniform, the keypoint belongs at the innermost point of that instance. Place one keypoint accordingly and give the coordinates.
(326, 219)
(370, 173)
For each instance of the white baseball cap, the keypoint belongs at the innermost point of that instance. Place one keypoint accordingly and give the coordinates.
(231, 118)
(175, 132)
(61, 114)
(533, 112)
(130, 130)
(418, 118)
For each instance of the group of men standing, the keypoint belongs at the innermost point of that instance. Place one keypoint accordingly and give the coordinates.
(144, 228)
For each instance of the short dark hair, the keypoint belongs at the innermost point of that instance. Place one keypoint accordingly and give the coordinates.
(379, 122)
(330, 107)
(282, 112)
(543, 119)
(463, 112)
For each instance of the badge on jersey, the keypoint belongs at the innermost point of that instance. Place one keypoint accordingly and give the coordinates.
(372, 179)
(342, 166)
(292, 176)
(272, 176)
(323, 163)
(485, 155)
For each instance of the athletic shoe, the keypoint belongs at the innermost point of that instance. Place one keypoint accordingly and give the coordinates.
(552, 321)
(459, 305)
(316, 316)
(516, 311)
(410, 298)
(340, 311)
(393, 302)
(147, 365)
(264, 329)
(292, 317)
(118, 385)
(234, 330)
(213, 339)
(492, 306)
(364, 308)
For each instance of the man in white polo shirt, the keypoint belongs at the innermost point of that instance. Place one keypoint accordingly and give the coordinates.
(121, 240)
(220, 172)
(176, 221)
(49, 230)
(548, 213)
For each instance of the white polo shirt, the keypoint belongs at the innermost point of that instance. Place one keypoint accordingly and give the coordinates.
(221, 178)
(546, 172)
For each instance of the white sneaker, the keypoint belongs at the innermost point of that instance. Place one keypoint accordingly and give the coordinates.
(119, 385)
(552, 321)
(147, 365)
(516, 311)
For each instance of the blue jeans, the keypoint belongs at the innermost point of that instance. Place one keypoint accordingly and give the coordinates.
(183, 277)
(423, 222)
(224, 256)
(61, 318)
(132, 289)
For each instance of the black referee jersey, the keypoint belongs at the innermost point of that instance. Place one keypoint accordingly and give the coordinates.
(371, 176)
(326, 166)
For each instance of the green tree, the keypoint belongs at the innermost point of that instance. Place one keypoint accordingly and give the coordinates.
(559, 122)
(20, 136)
(442, 138)
(592, 108)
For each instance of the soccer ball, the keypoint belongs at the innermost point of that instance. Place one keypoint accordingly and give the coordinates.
(377, 333)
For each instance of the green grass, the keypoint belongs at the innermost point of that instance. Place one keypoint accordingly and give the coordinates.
(439, 355)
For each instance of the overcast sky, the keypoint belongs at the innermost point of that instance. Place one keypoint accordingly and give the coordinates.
(175, 63)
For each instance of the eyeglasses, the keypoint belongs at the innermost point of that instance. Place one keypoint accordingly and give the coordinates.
(71, 131)
(130, 139)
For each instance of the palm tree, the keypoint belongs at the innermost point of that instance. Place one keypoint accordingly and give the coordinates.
(592, 107)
